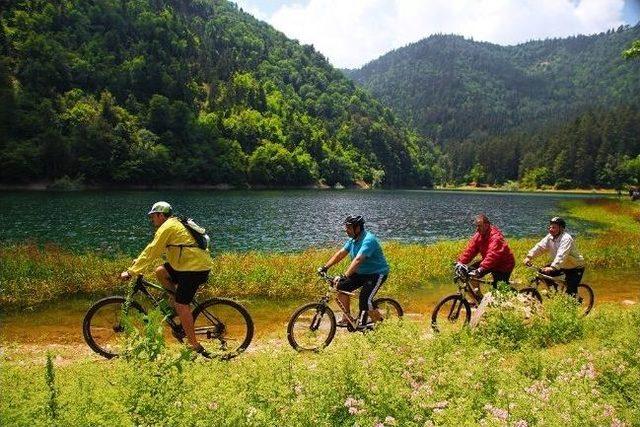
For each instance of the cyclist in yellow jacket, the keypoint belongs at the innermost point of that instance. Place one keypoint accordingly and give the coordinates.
(187, 265)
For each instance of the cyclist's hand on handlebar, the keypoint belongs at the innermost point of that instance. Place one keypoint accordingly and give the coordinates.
(125, 275)
(527, 262)
(547, 270)
(322, 270)
(479, 272)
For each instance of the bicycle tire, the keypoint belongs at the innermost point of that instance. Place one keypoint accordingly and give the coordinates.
(457, 302)
(111, 309)
(219, 322)
(590, 300)
(392, 308)
(306, 321)
(531, 292)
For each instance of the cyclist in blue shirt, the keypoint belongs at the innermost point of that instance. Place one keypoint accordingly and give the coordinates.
(368, 268)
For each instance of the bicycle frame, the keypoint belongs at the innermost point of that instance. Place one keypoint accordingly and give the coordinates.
(560, 280)
(142, 285)
(353, 324)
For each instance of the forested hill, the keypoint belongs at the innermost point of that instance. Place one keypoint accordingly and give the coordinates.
(452, 88)
(164, 92)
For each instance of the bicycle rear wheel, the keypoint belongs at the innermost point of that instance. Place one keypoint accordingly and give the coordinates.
(311, 327)
(223, 327)
(585, 298)
(451, 314)
(388, 308)
(103, 325)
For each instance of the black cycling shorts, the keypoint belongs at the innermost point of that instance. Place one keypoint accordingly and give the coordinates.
(187, 282)
(370, 283)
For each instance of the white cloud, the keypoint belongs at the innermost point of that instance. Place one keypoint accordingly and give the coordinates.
(353, 32)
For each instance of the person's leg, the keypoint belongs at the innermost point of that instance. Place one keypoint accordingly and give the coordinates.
(186, 290)
(350, 285)
(573, 277)
(345, 302)
(500, 276)
(164, 276)
(374, 313)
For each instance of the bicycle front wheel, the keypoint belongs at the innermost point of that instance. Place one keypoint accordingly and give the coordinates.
(223, 327)
(451, 314)
(388, 308)
(103, 325)
(311, 327)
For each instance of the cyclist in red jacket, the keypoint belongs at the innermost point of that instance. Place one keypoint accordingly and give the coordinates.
(497, 257)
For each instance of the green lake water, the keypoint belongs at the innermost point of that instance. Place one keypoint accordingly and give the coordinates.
(110, 221)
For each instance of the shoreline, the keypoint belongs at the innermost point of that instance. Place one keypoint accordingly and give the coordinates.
(45, 187)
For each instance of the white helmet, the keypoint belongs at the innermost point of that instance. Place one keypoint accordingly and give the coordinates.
(160, 207)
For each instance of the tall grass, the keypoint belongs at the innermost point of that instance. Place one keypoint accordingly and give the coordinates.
(395, 375)
(30, 275)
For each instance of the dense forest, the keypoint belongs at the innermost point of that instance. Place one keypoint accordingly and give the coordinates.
(144, 92)
(561, 111)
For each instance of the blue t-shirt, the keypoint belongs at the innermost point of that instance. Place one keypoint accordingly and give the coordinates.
(368, 246)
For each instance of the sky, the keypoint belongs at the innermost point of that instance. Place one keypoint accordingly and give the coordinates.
(350, 33)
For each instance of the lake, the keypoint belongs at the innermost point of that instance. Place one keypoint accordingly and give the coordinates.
(288, 220)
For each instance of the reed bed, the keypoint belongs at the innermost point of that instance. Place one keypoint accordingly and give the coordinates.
(31, 275)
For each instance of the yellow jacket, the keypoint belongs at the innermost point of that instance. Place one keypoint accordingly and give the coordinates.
(184, 258)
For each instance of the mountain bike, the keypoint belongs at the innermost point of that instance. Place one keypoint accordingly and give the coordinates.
(312, 326)
(454, 311)
(547, 285)
(223, 327)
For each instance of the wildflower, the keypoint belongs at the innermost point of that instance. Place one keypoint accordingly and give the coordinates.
(353, 410)
(389, 420)
(212, 406)
(609, 410)
(499, 413)
(587, 371)
(521, 423)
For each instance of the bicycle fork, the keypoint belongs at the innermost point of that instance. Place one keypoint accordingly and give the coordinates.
(454, 312)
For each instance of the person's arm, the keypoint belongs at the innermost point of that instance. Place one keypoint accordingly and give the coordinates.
(153, 251)
(472, 249)
(336, 258)
(355, 263)
(497, 246)
(563, 251)
(538, 249)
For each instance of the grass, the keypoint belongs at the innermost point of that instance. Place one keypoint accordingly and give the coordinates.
(32, 275)
(395, 375)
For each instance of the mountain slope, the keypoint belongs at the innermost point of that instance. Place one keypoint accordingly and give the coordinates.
(179, 91)
(451, 88)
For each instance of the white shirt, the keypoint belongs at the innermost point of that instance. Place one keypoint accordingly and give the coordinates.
(562, 248)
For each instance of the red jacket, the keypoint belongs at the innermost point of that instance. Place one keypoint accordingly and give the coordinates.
(496, 254)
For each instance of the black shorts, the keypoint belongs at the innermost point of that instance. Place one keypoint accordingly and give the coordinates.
(187, 282)
(370, 284)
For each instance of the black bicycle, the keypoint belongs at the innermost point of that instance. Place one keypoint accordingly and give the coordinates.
(454, 311)
(548, 285)
(223, 327)
(312, 326)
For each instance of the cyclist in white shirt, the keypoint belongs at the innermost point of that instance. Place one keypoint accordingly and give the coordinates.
(562, 248)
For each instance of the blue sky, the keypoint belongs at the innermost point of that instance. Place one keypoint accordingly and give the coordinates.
(351, 33)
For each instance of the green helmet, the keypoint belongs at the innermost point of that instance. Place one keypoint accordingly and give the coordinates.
(160, 207)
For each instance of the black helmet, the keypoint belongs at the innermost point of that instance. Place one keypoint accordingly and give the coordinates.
(559, 221)
(354, 220)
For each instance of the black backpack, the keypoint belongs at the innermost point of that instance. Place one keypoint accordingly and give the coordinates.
(198, 233)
